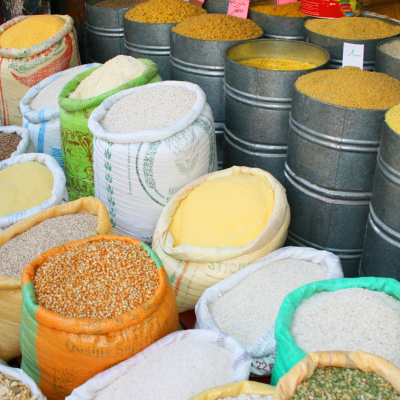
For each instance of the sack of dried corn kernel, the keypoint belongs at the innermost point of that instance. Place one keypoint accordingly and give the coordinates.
(62, 350)
(10, 287)
(21, 69)
(305, 368)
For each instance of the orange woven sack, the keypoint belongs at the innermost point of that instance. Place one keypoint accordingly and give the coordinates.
(61, 353)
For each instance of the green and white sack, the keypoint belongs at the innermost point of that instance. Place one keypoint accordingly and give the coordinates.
(137, 173)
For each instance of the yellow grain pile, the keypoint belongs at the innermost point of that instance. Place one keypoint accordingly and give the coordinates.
(23, 186)
(351, 87)
(353, 28)
(281, 64)
(393, 118)
(163, 11)
(218, 27)
(283, 10)
(31, 31)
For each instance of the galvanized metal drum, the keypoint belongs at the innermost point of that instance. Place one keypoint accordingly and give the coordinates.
(277, 27)
(329, 171)
(381, 255)
(258, 102)
(386, 63)
(152, 41)
(216, 6)
(105, 31)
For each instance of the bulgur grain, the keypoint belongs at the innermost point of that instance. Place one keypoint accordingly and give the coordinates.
(393, 118)
(392, 48)
(119, 3)
(291, 10)
(278, 64)
(8, 144)
(247, 397)
(353, 28)
(101, 279)
(163, 12)
(219, 27)
(351, 87)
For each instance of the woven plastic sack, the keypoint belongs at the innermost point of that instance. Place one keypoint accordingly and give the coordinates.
(137, 173)
(61, 353)
(44, 125)
(193, 269)
(288, 353)
(235, 389)
(241, 361)
(21, 69)
(58, 194)
(25, 145)
(263, 350)
(287, 385)
(20, 375)
(76, 138)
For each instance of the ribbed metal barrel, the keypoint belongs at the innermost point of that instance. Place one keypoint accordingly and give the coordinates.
(258, 102)
(329, 171)
(152, 41)
(381, 255)
(105, 31)
(386, 63)
(216, 6)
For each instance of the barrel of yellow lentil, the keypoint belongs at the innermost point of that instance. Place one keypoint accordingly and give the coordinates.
(258, 100)
(30, 61)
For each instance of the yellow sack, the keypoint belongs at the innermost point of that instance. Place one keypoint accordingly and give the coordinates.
(235, 389)
(193, 269)
(366, 362)
(10, 288)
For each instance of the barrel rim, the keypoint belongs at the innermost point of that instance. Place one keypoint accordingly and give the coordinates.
(383, 42)
(131, 21)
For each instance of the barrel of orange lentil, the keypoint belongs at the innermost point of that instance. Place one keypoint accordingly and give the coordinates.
(335, 129)
(381, 253)
(259, 83)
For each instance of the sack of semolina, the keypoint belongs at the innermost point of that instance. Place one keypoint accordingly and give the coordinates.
(23, 67)
(218, 224)
(14, 141)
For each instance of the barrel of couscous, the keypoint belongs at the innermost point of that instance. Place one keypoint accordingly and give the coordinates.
(335, 129)
(388, 57)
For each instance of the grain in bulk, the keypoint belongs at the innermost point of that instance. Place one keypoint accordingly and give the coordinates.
(291, 10)
(392, 118)
(188, 367)
(23, 248)
(392, 48)
(150, 108)
(8, 144)
(349, 320)
(247, 310)
(279, 64)
(13, 389)
(247, 397)
(118, 3)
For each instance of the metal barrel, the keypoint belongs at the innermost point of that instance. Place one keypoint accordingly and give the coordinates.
(152, 41)
(381, 255)
(105, 31)
(216, 6)
(258, 102)
(386, 63)
(329, 171)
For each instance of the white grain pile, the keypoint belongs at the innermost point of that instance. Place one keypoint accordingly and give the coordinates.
(247, 310)
(48, 96)
(149, 108)
(175, 372)
(349, 320)
(247, 397)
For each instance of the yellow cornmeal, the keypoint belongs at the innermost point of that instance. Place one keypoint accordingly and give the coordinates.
(23, 186)
(31, 31)
(229, 211)
(282, 64)
(393, 118)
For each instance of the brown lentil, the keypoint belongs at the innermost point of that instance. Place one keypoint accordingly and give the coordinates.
(353, 28)
(8, 144)
(393, 118)
(277, 64)
(218, 27)
(344, 383)
(351, 87)
(119, 3)
(12, 389)
(291, 10)
(163, 12)
(102, 279)
(25, 247)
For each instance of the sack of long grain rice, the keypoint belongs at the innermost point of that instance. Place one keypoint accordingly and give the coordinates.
(78, 99)
(31, 49)
(22, 242)
(218, 224)
(14, 141)
(149, 142)
(88, 305)
(246, 304)
(337, 374)
(176, 367)
(29, 183)
(41, 111)
(346, 314)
